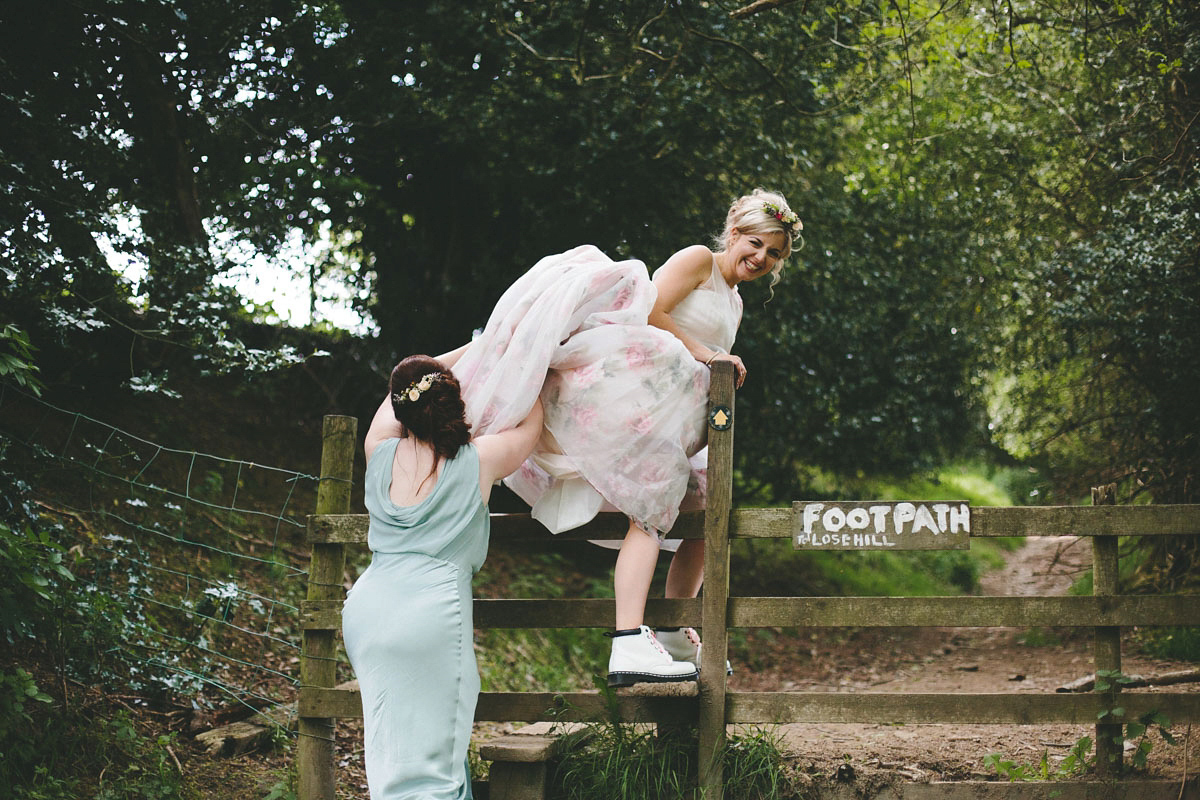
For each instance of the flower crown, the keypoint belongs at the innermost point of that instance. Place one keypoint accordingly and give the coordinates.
(786, 216)
(413, 393)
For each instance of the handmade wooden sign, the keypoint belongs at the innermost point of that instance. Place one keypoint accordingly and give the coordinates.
(878, 525)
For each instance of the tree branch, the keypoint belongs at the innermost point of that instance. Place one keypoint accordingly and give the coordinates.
(762, 5)
(533, 50)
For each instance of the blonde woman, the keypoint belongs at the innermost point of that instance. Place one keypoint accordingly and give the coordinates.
(621, 363)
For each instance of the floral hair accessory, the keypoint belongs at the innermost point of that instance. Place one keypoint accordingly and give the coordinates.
(784, 215)
(413, 393)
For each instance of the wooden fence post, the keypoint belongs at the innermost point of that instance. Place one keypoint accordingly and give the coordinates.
(318, 653)
(715, 603)
(1106, 639)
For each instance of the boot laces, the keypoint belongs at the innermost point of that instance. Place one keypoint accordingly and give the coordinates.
(654, 641)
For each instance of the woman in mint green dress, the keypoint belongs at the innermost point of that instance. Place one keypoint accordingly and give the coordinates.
(407, 620)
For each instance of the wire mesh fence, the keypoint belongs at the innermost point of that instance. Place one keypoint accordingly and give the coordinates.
(202, 556)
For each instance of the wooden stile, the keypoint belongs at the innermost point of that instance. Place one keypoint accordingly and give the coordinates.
(1107, 640)
(331, 528)
(716, 582)
(318, 665)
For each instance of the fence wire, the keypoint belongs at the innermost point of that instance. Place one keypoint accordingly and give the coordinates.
(205, 554)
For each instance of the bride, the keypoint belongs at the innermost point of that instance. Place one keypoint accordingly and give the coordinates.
(621, 363)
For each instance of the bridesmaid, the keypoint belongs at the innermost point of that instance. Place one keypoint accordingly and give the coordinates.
(407, 620)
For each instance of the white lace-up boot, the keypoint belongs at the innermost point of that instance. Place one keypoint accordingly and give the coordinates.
(637, 657)
(684, 645)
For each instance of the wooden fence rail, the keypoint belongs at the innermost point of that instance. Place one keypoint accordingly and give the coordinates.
(1106, 612)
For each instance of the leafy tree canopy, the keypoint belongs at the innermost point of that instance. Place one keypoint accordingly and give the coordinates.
(995, 197)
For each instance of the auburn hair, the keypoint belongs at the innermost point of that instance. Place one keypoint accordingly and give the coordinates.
(438, 416)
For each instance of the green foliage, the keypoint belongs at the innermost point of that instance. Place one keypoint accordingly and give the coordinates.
(1078, 761)
(55, 753)
(564, 659)
(1135, 731)
(635, 762)
(985, 216)
(1138, 731)
(283, 790)
(753, 765)
(16, 359)
(1175, 643)
(135, 766)
(625, 763)
(58, 620)
(1038, 637)
(31, 569)
(17, 689)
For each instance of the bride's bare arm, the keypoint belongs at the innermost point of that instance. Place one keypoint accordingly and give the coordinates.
(384, 425)
(451, 358)
(682, 274)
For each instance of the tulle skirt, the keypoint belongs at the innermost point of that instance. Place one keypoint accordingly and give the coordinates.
(625, 401)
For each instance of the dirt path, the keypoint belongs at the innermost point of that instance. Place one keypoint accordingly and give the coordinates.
(956, 660)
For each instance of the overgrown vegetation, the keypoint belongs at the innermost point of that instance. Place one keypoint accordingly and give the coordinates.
(1078, 761)
(1081, 758)
(59, 631)
(608, 759)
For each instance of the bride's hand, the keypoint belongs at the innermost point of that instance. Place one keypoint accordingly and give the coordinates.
(739, 368)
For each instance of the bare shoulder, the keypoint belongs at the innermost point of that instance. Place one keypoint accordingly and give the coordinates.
(692, 264)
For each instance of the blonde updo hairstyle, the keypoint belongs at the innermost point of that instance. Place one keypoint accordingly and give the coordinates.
(749, 215)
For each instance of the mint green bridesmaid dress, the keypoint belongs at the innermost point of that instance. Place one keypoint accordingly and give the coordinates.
(408, 630)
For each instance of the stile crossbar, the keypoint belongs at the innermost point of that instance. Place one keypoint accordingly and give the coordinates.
(332, 529)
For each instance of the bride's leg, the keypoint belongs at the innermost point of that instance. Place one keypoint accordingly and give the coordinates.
(636, 655)
(687, 569)
(632, 576)
(684, 579)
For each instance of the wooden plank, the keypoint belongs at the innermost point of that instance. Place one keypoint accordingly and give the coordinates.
(489, 613)
(321, 615)
(583, 707)
(798, 707)
(527, 706)
(715, 604)
(761, 523)
(827, 612)
(1163, 520)
(608, 525)
(1135, 789)
(776, 523)
(523, 749)
(337, 529)
(880, 525)
(590, 613)
(951, 708)
(508, 780)
(968, 612)
(1106, 640)
(316, 701)
(318, 664)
